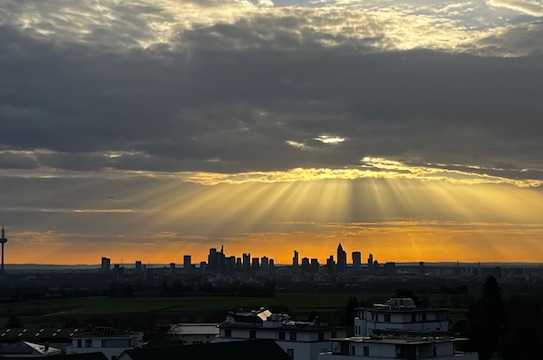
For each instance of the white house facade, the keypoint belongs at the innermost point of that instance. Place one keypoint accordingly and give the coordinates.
(109, 342)
(399, 314)
(397, 347)
(300, 340)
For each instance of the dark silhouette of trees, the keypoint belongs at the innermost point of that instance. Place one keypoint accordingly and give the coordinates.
(487, 320)
(524, 338)
(350, 312)
(14, 321)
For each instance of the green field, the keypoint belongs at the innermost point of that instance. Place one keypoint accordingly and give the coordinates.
(200, 307)
(107, 305)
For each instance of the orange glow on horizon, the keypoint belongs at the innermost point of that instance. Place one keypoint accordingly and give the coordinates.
(402, 242)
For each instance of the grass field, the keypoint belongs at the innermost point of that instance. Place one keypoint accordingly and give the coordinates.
(106, 305)
(200, 307)
(125, 310)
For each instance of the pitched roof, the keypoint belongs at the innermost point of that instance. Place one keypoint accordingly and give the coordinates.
(51, 335)
(87, 356)
(26, 348)
(239, 350)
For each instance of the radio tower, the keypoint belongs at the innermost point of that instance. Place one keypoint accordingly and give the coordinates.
(3, 241)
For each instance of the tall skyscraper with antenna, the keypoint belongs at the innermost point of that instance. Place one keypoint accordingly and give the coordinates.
(3, 241)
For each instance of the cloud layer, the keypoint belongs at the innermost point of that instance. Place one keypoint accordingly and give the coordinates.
(100, 96)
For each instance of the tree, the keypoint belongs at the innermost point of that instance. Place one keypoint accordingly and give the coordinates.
(14, 322)
(350, 311)
(487, 319)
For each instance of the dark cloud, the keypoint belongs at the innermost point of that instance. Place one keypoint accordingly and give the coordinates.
(227, 97)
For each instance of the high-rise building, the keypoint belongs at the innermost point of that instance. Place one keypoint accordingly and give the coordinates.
(370, 262)
(105, 265)
(229, 264)
(330, 264)
(341, 259)
(265, 263)
(357, 260)
(212, 260)
(239, 265)
(255, 264)
(139, 266)
(272, 265)
(246, 262)
(295, 261)
(306, 267)
(315, 266)
(187, 263)
(216, 260)
(172, 266)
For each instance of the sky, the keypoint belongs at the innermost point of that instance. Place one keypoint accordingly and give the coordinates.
(150, 129)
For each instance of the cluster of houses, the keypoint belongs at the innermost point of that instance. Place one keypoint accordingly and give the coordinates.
(396, 329)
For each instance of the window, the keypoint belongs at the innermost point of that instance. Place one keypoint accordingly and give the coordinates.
(387, 317)
(366, 350)
(353, 350)
(115, 343)
(290, 353)
(414, 317)
(281, 335)
(227, 333)
(252, 334)
(321, 336)
(292, 336)
(88, 343)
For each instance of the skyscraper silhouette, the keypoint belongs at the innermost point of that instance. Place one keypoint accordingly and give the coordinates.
(295, 261)
(357, 259)
(341, 259)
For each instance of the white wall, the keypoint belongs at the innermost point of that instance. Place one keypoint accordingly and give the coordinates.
(330, 356)
(305, 351)
(305, 347)
(96, 346)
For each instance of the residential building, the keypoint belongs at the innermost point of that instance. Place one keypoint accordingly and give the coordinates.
(399, 314)
(59, 338)
(254, 349)
(397, 347)
(398, 329)
(25, 349)
(300, 340)
(108, 341)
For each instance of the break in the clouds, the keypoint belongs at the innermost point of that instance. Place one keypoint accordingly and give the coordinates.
(529, 7)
